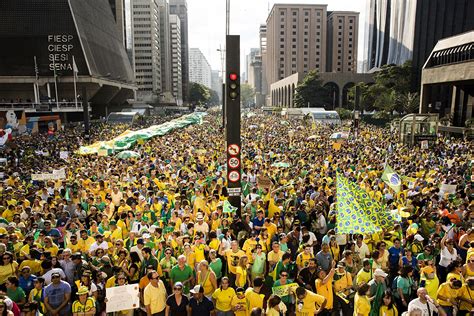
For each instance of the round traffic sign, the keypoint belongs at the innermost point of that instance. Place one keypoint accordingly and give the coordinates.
(234, 176)
(234, 162)
(233, 149)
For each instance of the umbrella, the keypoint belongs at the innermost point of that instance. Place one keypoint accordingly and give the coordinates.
(313, 137)
(127, 154)
(340, 135)
(281, 165)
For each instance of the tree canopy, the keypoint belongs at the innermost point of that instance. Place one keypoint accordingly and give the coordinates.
(312, 92)
(198, 93)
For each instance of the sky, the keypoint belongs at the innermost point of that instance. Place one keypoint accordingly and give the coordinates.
(207, 23)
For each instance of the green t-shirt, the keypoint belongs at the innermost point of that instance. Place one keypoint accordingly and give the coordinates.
(216, 266)
(16, 295)
(287, 298)
(178, 275)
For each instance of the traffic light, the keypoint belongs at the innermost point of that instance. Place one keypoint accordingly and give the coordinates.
(233, 86)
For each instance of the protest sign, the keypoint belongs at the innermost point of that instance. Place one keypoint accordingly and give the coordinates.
(284, 290)
(447, 189)
(121, 298)
(64, 155)
(264, 182)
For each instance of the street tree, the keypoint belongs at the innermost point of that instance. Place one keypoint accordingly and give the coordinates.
(247, 94)
(312, 92)
(198, 93)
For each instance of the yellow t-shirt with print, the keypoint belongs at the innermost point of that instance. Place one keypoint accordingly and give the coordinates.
(447, 292)
(78, 307)
(242, 303)
(311, 303)
(224, 299)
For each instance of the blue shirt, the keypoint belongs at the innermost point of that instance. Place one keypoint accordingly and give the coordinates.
(27, 284)
(202, 308)
(394, 256)
(55, 294)
(258, 222)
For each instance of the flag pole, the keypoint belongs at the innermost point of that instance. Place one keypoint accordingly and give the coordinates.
(36, 82)
(55, 83)
(74, 70)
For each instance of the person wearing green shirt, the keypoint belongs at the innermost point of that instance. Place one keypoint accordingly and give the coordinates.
(14, 291)
(216, 264)
(283, 280)
(182, 273)
(148, 260)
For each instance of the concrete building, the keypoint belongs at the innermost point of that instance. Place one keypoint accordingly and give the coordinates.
(448, 80)
(261, 96)
(147, 49)
(43, 37)
(342, 41)
(122, 11)
(165, 47)
(216, 82)
(176, 71)
(180, 8)
(250, 78)
(199, 68)
(296, 40)
(401, 30)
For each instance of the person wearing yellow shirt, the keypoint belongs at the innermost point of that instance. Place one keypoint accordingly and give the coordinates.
(252, 295)
(223, 296)
(309, 303)
(73, 244)
(9, 212)
(241, 276)
(448, 293)
(85, 242)
(324, 286)
(466, 296)
(233, 256)
(365, 274)
(274, 255)
(123, 208)
(362, 301)
(239, 303)
(342, 288)
(25, 250)
(154, 295)
(115, 232)
(388, 307)
(302, 260)
(50, 247)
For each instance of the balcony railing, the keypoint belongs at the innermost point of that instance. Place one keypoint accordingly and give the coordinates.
(43, 106)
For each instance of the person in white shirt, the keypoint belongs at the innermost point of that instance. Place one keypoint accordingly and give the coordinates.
(425, 304)
(116, 196)
(361, 248)
(201, 225)
(99, 243)
(448, 254)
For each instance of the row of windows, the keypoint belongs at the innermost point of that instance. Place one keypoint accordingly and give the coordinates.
(306, 13)
(142, 32)
(137, 6)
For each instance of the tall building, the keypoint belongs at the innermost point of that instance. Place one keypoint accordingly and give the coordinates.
(199, 68)
(165, 48)
(216, 82)
(122, 11)
(401, 30)
(296, 40)
(180, 8)
(176, 72)
(342, 41)
(248, 61)
(260, 96)
(147, 47)
(50, 34)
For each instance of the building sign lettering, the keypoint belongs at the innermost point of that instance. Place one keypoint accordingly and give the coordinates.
(59, 52)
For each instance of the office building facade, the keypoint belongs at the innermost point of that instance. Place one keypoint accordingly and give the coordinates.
(401, 30)
(342, 41)
(296, 40)
(176, 71)
(180, 8)
(199, 68)
(147, 49)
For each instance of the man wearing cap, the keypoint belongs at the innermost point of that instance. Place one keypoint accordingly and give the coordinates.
(26, 280)
(377, 289)
(199, 305)
(57, 296)
(99, 243)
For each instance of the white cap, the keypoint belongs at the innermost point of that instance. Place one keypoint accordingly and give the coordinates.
(380, 272)
(418, 237)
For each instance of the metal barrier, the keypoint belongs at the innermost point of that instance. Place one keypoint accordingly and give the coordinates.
(43, 106)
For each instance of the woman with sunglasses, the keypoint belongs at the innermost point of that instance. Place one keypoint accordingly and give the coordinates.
(8, 268)
(177, 303)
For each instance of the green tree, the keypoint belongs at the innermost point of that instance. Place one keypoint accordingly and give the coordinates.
(214, 99)
(311, 91)
(198, 93)
(247, 94)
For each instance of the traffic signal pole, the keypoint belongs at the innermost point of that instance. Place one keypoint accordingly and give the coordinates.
(232, 126)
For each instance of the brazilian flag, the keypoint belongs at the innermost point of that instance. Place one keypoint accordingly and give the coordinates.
(357, 212)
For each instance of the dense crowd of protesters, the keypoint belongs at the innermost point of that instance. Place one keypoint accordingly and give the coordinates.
(160, 221)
